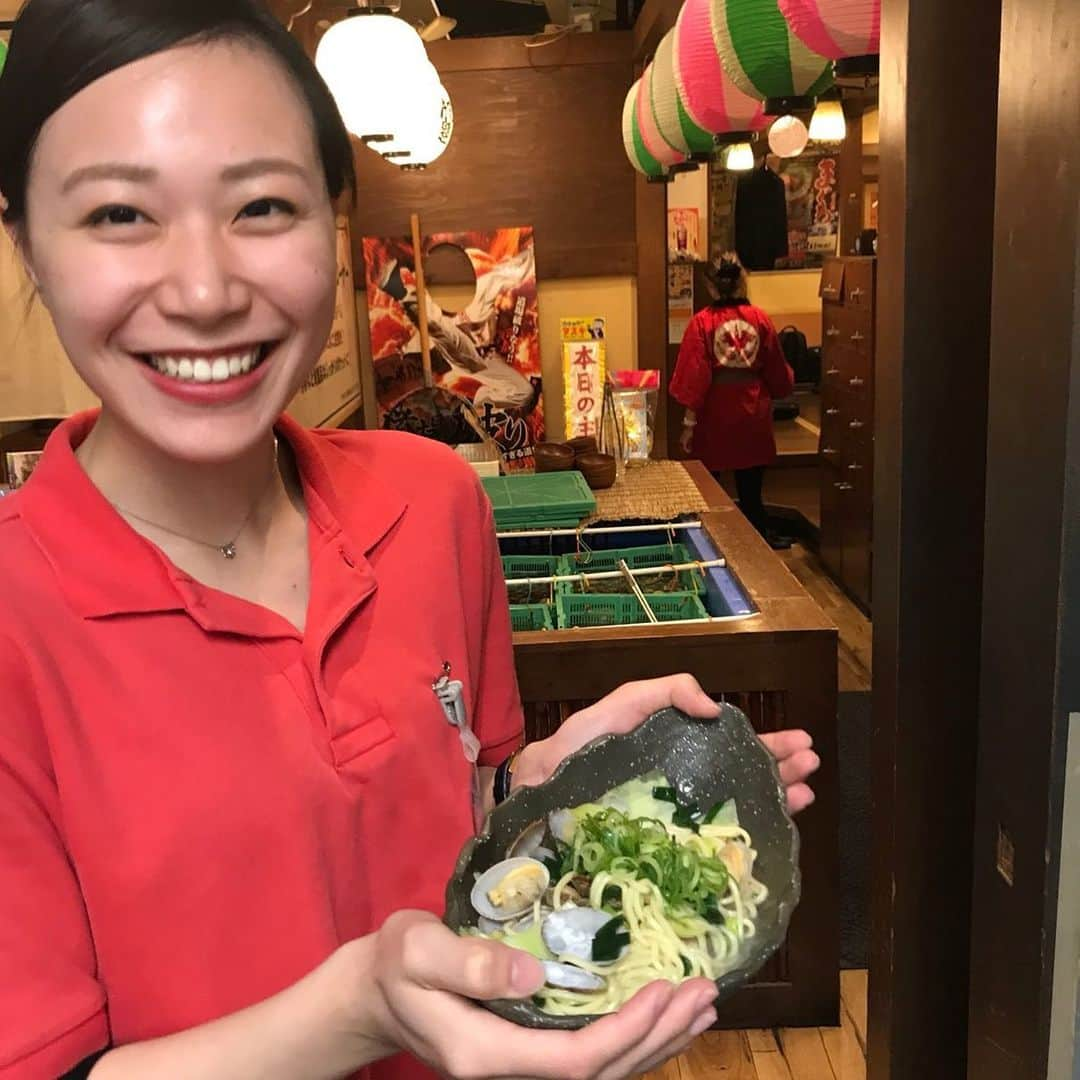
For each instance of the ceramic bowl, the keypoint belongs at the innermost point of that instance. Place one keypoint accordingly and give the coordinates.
(599, 470)
(583, 444)
(708, 761)
(553, 457)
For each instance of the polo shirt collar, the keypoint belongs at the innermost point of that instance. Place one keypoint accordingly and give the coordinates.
(104, 567)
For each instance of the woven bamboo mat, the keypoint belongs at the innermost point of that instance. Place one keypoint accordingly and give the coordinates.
(655, 489)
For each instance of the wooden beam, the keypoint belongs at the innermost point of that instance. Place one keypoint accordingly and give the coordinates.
(934, 288)
(656, 19)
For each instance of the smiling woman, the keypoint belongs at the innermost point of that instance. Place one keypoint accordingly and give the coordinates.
(223, 742)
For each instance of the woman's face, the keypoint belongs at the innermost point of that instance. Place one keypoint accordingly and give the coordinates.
(182, 237)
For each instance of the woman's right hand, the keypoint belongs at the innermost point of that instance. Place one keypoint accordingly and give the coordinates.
(425, 976)
(686, 440)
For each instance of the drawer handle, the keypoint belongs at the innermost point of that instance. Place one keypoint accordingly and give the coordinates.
(833, 371)
(827, 450)
(842, 485)
(832, 332)
(856, 382)
(857, 336)
(831, 289)
(856, 292)
(832, 412)
(854, 468)
(856, 424)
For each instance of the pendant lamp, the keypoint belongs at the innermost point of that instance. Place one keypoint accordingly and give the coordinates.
(828, 123)
(788, 137)
(639, 157)
(655, 143)
(764, 58)
(847, 31)
(368, 61)
(740, 157)
(711, 101)
(672, 121)
(425, 127)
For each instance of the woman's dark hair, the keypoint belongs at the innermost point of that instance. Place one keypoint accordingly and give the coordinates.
(727, 278)
(59, 47)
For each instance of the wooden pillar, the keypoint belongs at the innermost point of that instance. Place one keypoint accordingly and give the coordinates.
(1031, 604)
(851, 179)
(939, 68)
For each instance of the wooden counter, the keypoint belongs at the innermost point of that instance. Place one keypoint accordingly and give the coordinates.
(780, 668)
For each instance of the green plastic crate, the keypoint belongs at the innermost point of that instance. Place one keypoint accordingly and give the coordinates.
(530, 617)
(636, 559)
(613, 609)
(542, 500)
(519, 566)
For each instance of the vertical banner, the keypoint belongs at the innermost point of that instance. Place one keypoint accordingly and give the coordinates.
(488, 353)
(584, 351)
(333, 388)
(812, 191)
(684, 234)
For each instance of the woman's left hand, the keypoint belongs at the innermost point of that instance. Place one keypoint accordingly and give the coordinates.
(633, 703)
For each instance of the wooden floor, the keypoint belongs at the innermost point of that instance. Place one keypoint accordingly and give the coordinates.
(799, 1053)
(856, 632)
(785, 1054)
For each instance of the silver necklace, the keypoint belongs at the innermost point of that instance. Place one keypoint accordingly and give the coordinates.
(228, 549)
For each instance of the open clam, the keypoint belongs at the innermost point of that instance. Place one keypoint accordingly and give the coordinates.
(509, 888)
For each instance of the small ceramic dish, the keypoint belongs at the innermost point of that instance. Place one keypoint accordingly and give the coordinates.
(553, 457)
(599, 470)
(707, 761)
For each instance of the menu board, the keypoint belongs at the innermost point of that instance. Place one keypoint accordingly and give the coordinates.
(332, 390)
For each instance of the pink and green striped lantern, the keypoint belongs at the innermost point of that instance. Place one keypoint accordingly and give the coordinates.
(639, 156)
(655, 143)
(847, 31)
(711, 101)
(672, 120)
(765, 59)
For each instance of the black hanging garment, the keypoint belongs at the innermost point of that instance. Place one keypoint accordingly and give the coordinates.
(761, 219)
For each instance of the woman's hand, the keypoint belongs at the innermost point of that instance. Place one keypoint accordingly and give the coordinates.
(686, 440)
(633, 703)
(424, 975)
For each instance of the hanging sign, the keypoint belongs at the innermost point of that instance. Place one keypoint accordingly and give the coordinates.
(584, 369)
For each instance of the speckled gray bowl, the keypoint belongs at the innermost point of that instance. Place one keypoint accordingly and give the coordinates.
(707, 761)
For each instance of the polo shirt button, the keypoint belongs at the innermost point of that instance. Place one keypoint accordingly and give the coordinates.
(347, 559)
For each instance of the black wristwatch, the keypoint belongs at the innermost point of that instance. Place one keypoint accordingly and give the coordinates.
(504, 777)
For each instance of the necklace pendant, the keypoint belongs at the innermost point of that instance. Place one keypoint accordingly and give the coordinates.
(229, 551)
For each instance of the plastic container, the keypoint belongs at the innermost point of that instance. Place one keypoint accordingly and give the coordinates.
(614, 609)
(636, 559)
(524, 617)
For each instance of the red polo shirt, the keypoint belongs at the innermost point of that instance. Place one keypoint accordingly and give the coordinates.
(198, 804)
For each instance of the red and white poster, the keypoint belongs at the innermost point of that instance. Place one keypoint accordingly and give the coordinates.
(487, 353)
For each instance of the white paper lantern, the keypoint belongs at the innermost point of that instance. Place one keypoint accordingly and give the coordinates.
(368, 61)
(788, 137)
(425, 126)
(828, 123)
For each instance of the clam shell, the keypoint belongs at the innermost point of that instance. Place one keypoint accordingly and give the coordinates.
(571, 930)
(491, 877)
(568, 977)
(529, 842)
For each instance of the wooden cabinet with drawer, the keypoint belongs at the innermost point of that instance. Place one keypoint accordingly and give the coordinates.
(847, 421)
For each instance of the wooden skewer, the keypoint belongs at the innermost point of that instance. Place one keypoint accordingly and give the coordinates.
(637, 591)
(421, 300)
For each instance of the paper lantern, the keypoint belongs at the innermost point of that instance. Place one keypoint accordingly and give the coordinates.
(788, 137)
(639, 157)
(425, 126)
(839, 29)
(368, 62)
(673, 122)
(764, 58)
(740, 157)
(3, 54)
(712, 102)
(655, 143)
